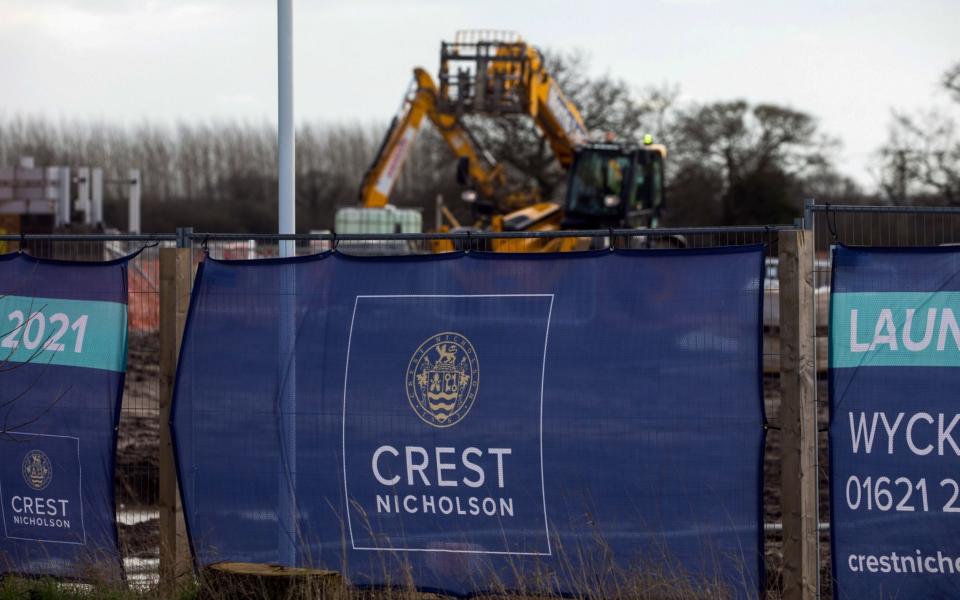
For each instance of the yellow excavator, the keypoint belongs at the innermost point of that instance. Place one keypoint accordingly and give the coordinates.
(477, 168)
(609, 184)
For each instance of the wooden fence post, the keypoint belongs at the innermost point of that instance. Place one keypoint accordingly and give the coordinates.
(175, 280)
(798, 417)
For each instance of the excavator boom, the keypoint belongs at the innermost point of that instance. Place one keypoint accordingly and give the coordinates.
(421, 101)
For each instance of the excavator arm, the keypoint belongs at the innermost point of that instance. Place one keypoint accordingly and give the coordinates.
(554, 113)
(419, 102)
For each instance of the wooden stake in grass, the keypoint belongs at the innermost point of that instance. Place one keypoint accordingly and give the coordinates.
(250, 580)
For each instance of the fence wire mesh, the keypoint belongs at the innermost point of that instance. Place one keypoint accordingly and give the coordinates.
(239, 247)
(872, 227)
(136, 482)
(137, 478)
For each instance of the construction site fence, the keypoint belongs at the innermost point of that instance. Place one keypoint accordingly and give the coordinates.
(138, 467)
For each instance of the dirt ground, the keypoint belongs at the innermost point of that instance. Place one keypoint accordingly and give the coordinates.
(771, 485)
(138, 465)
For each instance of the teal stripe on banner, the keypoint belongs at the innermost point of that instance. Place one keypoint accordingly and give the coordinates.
(72, 333)
(895, 329)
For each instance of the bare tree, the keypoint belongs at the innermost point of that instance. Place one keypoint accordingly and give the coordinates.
(951, 81)
(16, 409)
(741, 163)
(920, 161)
(730, 162)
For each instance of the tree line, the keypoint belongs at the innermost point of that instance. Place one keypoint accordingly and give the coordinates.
(730, 162)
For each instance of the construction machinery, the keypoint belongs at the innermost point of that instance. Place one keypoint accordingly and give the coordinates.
(477, 169)
(491, 74)
(609, 184)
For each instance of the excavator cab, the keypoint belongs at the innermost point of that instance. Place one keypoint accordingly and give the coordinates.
(614, 185)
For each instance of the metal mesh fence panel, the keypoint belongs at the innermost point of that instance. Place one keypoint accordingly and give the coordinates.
(239, 247)
(136, 485)
(869, 226)
(137, 467)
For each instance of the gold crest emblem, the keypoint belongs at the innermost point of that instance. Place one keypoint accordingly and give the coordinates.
(443, 378)
(37, 470)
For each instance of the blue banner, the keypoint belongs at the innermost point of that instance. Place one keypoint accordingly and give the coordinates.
(895, 427)
(63, 339)
(558, 422)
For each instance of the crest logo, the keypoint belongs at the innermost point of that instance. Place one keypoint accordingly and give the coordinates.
(443, 378)
(37, 470)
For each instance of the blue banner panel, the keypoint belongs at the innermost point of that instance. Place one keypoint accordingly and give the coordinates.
(63, 340)
(895, 427)
(476, 420)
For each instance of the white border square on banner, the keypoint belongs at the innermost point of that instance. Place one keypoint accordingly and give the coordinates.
(83, 529)
(343, 435)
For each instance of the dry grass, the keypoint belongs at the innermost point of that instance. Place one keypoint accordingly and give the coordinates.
(588, 569)
(664, 582)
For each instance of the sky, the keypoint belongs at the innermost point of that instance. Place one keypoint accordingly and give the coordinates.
(848, 63)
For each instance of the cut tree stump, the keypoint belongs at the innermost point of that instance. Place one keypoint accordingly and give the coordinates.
(275, 582)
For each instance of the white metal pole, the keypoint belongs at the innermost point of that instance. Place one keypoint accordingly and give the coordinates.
(287, 511)
(51, 192)
(285, 134)
(83, 193)
(133, 214)
(64, 204)
(96, 181)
